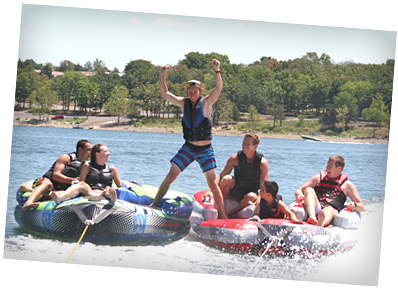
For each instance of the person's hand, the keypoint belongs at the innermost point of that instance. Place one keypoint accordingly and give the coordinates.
(216, 65)
(255, 218)
(164, 69)
(207, 196)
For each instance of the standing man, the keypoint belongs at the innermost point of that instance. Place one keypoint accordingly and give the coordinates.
(65, 171)
(250, 172)
(197, 125)
(325, 194)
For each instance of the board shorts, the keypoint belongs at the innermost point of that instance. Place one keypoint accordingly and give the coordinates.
(188, 153)
(38, 181)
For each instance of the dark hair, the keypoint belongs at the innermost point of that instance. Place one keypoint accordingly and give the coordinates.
(271, 187)
(81, 144)
(96, 148)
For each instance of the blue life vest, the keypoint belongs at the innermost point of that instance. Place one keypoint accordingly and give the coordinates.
(270, 211)
(195, 125)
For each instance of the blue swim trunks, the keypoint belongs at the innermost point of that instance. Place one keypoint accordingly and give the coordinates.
(189, 153)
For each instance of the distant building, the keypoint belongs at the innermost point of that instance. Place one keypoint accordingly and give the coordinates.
(59, 73)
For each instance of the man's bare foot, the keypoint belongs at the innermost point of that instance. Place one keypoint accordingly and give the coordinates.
(28, 206)
(55, 197)
(111, 195)
(312, 221)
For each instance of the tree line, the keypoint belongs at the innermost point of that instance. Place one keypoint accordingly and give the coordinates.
(334, 92)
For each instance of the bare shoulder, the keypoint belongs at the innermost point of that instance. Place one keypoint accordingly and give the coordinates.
(234, 159)
(348, 186)
(64, 158)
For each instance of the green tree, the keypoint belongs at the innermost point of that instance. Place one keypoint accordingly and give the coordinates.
(377, 112)
(42, 99)
(342, 112)
(86, 93)
(117, 104)
(68, 88)
(253, 118)
(345, 98)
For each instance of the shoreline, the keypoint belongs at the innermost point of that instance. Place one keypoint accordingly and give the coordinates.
(216, 131)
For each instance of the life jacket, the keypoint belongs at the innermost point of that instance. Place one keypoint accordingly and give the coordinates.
(247, 176)
(99, 177)
(329, 190)
(271, 211)
(195, 125)
(72, 170)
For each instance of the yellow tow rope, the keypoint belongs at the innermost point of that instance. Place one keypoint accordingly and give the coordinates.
(88, 223)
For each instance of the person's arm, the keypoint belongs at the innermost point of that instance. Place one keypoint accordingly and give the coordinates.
(164, 91)
(313, 182)
(59, 167)
(231, 163)
(256, 211)
(215, 93)
(84, 172)
(282, 207)
(264, 171)
(352, 192)
(116, 177)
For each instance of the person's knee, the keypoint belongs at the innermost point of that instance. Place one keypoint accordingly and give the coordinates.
(309, 190)
(83, 187)
(46, 186)
(250, 197)
(227, 183)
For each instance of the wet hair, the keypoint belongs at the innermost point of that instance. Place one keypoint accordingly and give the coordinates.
(338, 161)
(256, 139)
(96, 148)
(81, 144)
(271, 187)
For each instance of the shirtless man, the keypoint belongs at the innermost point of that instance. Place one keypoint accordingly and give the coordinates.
(65, 171)
(325, 194)
(197, 125)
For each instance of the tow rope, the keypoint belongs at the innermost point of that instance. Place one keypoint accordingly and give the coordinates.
(88, 223)
(98, 217)
(269, 240)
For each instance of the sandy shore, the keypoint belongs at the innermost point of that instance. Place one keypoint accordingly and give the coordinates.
(100, 124)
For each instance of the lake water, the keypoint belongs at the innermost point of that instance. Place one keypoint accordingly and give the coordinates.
(145, 157)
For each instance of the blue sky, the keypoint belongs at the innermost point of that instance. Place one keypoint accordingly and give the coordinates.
(53, 34)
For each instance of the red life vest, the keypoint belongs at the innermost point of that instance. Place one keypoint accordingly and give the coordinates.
(329, 190)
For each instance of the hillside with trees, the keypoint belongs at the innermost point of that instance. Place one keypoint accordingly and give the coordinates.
(313, 86)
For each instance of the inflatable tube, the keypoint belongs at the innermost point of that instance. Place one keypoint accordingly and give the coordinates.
(277, 237)
(129, 219)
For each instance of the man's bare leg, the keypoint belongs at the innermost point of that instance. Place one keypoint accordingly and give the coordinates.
(310, 202)
(164, 187)
(217, 194)
(41, 191)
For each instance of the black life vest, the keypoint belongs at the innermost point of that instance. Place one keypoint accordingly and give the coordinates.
(271, 211)
(329, 190)
(72, 170)
(99, 177)
(247, 176)
(195, 125)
